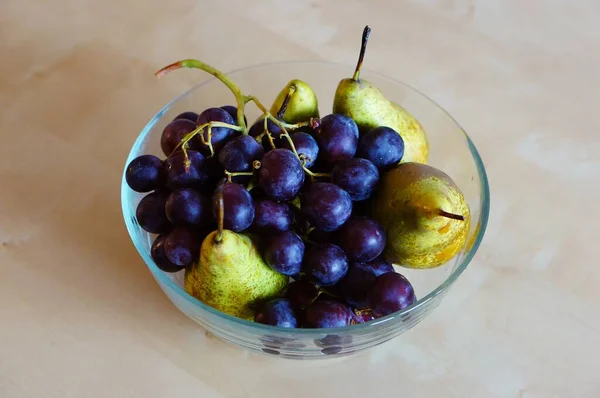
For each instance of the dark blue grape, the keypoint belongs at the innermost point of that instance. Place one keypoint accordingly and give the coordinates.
(174, 132)
(238, 207)
(258, 128)
(182, 246)
(301, 293)
(337, 137)
(362, 238)
(326, 206)
(327, 314)
(232, 110)
(150, 213)
(191, 116)
(277, 312)
(145, 173)
(305, 145)
(391, 292)
(157, 252)
(239, 153)
(380, 266)
(357, 283)
(383, 146)
(187, 206)
(271, 216)
(356, 176)
(325, 264)
(220, 135)
(284, 253)
(195, 176)
(280, 175)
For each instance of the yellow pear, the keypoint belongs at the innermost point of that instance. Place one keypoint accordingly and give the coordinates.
(295, 103)
(424, 214)
(369, 108)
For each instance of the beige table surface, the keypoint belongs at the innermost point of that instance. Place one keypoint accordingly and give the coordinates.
(81, 317)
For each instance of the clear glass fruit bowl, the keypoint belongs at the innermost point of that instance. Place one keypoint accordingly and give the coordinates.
(451, 150)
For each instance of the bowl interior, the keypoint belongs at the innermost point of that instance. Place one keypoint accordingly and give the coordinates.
(451, 150)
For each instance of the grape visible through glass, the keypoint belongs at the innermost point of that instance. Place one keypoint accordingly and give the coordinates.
(327, 314)
(277, 312)
(150, 213)
(157, 252)
(182, 246)
(145, 173)
(391, 292)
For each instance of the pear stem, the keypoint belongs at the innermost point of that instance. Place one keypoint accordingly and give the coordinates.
(363, 48)
(194, 63)
(286, 101)
(451, 215)
(220, 214)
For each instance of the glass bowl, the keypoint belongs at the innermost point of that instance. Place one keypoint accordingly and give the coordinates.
(451, 150)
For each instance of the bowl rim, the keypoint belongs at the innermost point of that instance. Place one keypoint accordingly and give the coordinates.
(315, 332)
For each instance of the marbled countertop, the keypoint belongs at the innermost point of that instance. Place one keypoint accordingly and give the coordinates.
(82, 317)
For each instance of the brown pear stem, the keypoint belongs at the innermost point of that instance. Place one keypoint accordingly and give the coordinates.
(286, 101)
(450, 215)
(220, 214)
(363, 48)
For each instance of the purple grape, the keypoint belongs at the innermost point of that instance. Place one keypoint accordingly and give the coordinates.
(391, 292)
(238, 207)
(357, 283)
(220, 135)
(157, 252)
(272, 217)
(239, 153)
(337, 137)
(259, 127)
(191, 116)
(302, 293)
(356, 176)
(325, 264)
(326, 206)
(363, 316)
(383, 146)
(232, 110)
(284, 253)
(305, 145)
(174, 132)
(178, 176)
(150, 213)
(182, 246)
(381, 266)
(145, 173)
(362, 238)
(277, 312)
(327, 314)
(281, 175)
(186, 206)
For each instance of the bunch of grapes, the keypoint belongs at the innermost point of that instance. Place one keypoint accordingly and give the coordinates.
(304, 189)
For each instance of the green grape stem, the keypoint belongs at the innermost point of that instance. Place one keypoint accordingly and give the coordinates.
(230, 174)
(234, 88)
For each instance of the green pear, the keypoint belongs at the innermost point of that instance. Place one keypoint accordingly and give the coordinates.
(231, 275)
(369, 108)
(295, 103)
(424, 214)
